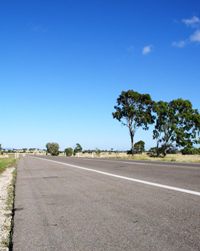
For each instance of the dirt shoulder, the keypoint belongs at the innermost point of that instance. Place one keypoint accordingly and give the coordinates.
(6, 203)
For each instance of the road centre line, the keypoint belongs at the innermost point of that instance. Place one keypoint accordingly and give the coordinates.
(178, 189)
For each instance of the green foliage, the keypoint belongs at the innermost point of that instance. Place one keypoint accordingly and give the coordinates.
(69, 151)
(97, 151)
(78, 148)
(53, 148)
(177, 124)
(139, 147)
(158, 151)
(24, 150)
(134, 110)
(88, 151)
(190, 150)
(154, 152)
(32, 149)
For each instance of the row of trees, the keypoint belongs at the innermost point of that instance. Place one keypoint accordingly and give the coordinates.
(53, 149)
(176, 123)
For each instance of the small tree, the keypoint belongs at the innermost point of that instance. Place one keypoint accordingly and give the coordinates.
(78, 148)
(139, 147)
(69, 151)
(98, 152)
(24, 150)
(134, 110)
(53, 148)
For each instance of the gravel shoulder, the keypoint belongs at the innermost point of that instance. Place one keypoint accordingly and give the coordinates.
(6, 189)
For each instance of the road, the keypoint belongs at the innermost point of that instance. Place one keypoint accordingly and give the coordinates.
(92, 204)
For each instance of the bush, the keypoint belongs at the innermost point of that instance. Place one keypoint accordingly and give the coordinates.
(190, 150)
(69, 151)
(130, 152)
(98, 152)
(156, 152)
(53, 149)
(153, 152)
(162, 151)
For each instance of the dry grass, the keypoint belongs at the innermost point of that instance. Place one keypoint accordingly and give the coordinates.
(144, 156)
(6, 162)
(170, 158)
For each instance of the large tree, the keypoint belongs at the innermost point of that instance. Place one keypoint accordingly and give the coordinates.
(177, 124)
(134, 110)
(53, 148)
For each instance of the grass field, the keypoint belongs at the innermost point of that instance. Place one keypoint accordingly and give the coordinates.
(7, 162)
(168, 158)
(144, 156)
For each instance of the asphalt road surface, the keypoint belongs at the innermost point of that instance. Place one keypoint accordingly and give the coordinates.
(92, 204)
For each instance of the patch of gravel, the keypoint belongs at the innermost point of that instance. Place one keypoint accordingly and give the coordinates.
(5, 209)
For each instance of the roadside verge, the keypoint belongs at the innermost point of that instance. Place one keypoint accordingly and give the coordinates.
(7, 187)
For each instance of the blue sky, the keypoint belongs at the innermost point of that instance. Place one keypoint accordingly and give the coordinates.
(64, 63)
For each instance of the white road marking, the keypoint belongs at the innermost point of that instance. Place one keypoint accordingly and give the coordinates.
(178, 189)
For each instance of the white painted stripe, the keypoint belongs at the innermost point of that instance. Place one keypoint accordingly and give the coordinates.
(178, 189)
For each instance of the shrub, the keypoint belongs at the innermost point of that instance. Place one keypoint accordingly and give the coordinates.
(69, 151)
(53, 149)
(190, 150)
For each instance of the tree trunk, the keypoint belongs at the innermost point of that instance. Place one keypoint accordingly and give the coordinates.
(157, 149)
(132, 140)
(165, 151)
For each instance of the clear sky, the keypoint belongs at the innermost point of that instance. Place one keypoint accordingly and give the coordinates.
(64, 63)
